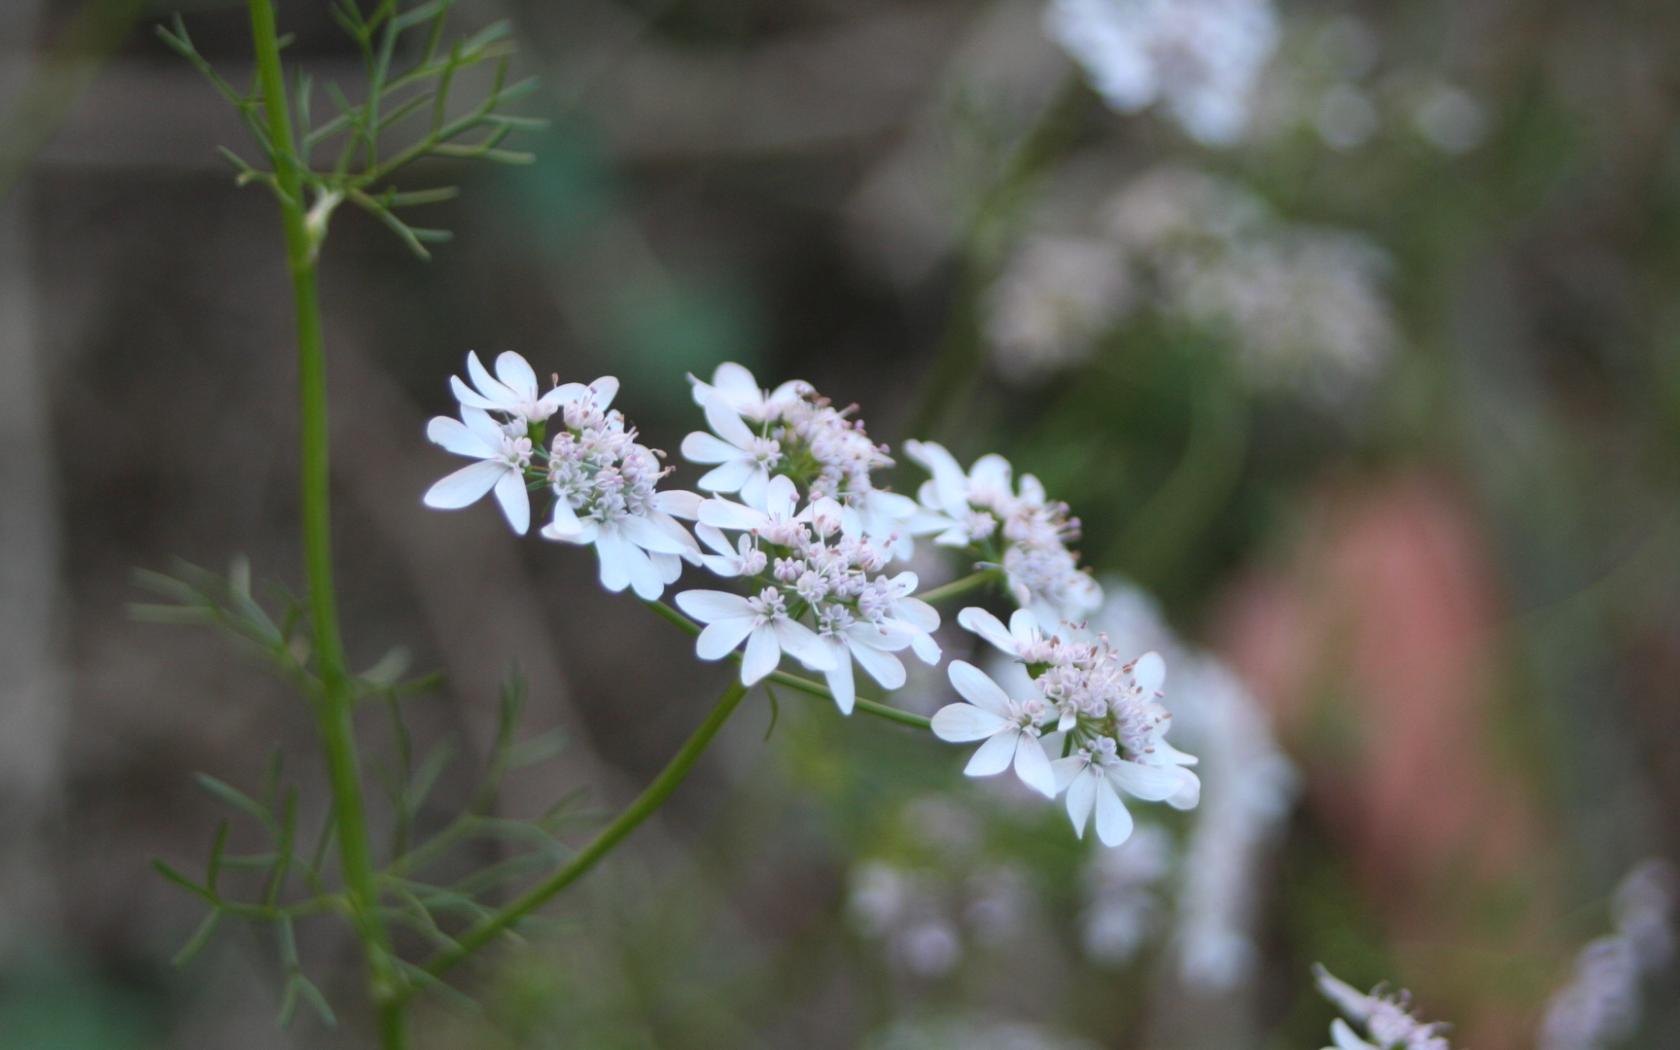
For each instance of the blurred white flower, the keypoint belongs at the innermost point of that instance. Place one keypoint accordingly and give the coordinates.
(1600, 1006)
(503, 452)
(1123, 901)
(1386, 1018)
(1055, 296)
(1201, 59)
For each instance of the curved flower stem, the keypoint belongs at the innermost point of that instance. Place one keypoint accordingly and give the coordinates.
(333, 698)
(798, 683)
(957, 588)
(651, 798)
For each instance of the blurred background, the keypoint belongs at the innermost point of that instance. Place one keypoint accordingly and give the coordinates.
(1349, 330)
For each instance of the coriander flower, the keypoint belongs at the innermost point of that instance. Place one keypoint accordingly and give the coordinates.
(1386, 1018)
(818, 572)
(512, 390)
(736, 388)
(762, 622)
(796, 432)
(503, 454)
(606, 495)
(1113, 724)
(742, 459)
(1008, 524)
(1009, 727)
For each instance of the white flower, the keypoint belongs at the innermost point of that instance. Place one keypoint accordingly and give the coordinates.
(743, 459)
(1386, 1018)
(1022, 640)
(795, 431)
(606, 494)
(888, 620)
(1009, 728)
(1201, 58)
(774, 515)
(762, 622)
(502, 455)
(736, 388)
(1093, 778)
(513, 389)
(986, 511)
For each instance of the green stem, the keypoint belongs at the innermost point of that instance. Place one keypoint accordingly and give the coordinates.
(957, 588)
(651, 798)
(798, 683)
(334, 699)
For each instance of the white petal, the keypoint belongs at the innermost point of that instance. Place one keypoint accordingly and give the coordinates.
(679, 503)
(727, 514)
(1032, 765)
(755, 486)
(736, 381)
(726, 424)
(1114, 821)
(615, 553)
(1150, 783)
(948, 480)
(645, 578)
(977, 688)
(650, 537)
(469, 397)
(1189, 792)
(780, 497)
(1081, 794)
(454, 435)
(990, 473)
(884, 667)
(917, 613)
(1023, 627)
(720, 637)
(465, 486)
(514, 371)
(840, 681)
(961, 723)
(701, 447)
(993, 756)
(712, 606)
(604, 389)
(1345, 1039)
(565, 524)
(1150, 672)
(729, 477)
(515, 500)
(479, 422)
(926, 648)
(988, 627)
(804, 645)
(762, 656)
(487, 384)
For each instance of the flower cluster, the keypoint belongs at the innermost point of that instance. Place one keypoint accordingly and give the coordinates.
(604, 483)
(1014, 527)
(1099, 713)
(796, 432)
(1386, 1018)
(1302, 307)
(1201, 58)
(813, 540)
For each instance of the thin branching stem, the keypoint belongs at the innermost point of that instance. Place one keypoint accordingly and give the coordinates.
(651, 798)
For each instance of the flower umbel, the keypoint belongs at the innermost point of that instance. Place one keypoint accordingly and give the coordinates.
(605, 484)
(1104, 713)
(1004, 523)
